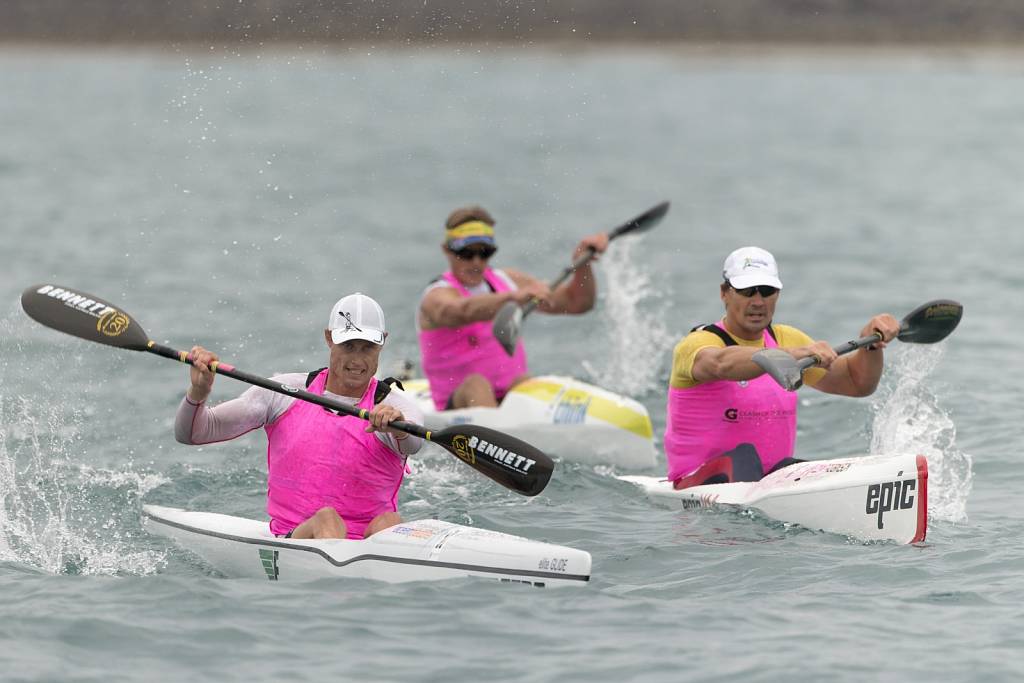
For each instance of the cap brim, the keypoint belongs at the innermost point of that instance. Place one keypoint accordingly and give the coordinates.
(342, 336)
(755, 279)
(455, 245)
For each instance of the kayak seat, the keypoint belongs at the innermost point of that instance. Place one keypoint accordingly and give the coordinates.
(740, 464)
(785, 462)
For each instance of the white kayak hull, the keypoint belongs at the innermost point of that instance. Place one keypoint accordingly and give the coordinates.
(421, 550)
(871, 498)
(563, 417)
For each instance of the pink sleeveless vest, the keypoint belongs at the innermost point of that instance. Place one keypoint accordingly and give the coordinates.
(316, 459)
(712, 418)
(450, 354)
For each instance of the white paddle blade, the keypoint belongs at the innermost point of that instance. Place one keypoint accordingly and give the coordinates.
(507, 324)
(781, 366)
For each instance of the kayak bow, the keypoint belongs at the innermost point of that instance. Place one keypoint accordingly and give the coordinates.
(871, 498)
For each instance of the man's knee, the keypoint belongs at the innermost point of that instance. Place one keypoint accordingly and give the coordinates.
(327, 523)
(476, 382)
(518, 380)
(475, 390)
(382, 521)
(326, 514)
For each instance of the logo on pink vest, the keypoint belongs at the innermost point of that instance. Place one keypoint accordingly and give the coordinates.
(712, 418)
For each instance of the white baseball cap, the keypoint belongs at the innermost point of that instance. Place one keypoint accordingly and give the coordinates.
(749, 267)
(357, 316)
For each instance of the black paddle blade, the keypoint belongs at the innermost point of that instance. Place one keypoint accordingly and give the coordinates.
(506, 326)
(83, 315)
(931, 322)
(513, 463)
(648, 219)
(781, 367)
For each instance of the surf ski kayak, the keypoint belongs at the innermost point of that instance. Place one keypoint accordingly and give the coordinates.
(562, 416)
(871, 498)
(421, 550)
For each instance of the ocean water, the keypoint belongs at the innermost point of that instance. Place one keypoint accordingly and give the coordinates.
(229, 198)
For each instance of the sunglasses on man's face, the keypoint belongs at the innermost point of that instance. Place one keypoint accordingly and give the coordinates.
(469, 253)
(764, 290)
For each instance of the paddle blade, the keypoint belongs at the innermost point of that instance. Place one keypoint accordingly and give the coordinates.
(83, 315)
(931, 322)
(513, 463)
(648, 219)
(781, 367)
(507, 324)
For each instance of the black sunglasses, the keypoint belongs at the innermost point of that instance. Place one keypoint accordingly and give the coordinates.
(469, 253)
(764, 290)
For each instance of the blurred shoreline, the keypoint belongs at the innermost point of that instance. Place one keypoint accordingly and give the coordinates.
(962, 52)
(469, 23)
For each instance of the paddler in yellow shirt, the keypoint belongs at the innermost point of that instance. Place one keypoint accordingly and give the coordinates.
(727, 420)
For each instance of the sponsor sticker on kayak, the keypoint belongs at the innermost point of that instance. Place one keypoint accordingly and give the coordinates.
(268, 558)
(554, 564)
(571, 407)
(412, 532)
(890, 496)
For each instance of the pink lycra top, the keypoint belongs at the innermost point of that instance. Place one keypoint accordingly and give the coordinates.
(450, 354)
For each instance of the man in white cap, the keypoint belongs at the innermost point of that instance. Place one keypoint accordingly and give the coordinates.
(329, 476)
(726, 419)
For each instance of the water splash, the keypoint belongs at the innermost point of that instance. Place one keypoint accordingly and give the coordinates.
(57, 515)
(633, 327)
(908, 419)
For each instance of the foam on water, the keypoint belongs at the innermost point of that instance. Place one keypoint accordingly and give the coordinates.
(908, 418)
(57, 515)
(635, 318)
(442, 478)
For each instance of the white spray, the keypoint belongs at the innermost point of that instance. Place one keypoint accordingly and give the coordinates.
(908, 419)
(639, 344)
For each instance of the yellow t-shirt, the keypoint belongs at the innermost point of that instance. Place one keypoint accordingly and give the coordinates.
(686, 350)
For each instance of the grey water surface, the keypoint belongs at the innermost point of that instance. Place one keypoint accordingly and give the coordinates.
(229, 198)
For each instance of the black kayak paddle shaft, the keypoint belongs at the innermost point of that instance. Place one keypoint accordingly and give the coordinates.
(929, 323)
(509, 461)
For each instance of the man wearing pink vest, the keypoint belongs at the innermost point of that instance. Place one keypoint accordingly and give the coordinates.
(726, 419)
(329, 476)
(464, 363)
